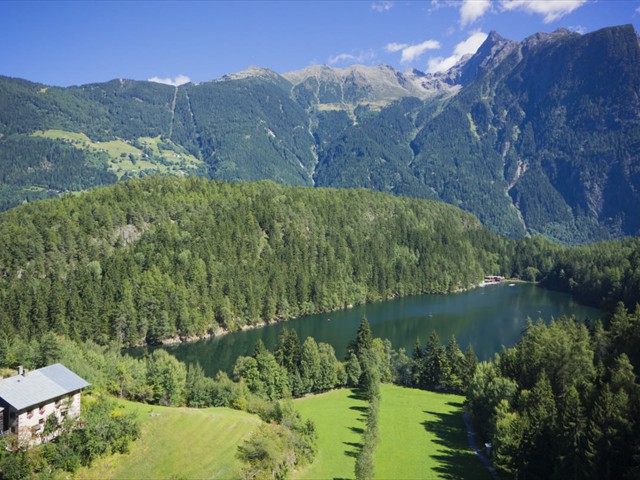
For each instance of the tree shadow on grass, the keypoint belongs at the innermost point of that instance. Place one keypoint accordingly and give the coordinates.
(359, 409)
(355, 449)
(455, 459)
(357, 394)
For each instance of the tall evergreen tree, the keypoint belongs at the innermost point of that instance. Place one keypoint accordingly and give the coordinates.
(435, 362)
(310, 365)
(470, 364)
(354, 371)
(417, 364)
(363, 341)
(609, 424)
(570, 439)
(287, 351)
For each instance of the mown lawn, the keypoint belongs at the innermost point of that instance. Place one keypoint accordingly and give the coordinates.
(421, 435)
(179, 443)
(339, 417)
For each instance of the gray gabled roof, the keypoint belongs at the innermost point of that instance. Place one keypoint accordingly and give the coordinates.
(39, 386)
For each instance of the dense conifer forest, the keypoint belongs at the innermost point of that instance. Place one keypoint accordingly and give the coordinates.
(532, 137)
(152, 259)
(148, 260)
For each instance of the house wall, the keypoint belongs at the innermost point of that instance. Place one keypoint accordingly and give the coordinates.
(31, 422)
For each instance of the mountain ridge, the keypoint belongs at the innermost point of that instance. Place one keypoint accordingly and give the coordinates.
(536, 136)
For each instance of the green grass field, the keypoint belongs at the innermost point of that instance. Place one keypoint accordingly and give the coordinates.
(179, 443)
(339, 418)
(422, 435)
(119, 151)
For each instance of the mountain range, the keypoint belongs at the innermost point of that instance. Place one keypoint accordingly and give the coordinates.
(540, 136)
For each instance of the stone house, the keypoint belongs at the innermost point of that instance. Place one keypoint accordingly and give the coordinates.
(28, 400)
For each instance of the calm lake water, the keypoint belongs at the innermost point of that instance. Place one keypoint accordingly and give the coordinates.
(485, 317)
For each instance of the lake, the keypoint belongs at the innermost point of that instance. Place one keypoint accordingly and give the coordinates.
(486, 317)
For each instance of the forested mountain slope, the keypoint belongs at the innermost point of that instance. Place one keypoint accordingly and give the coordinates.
(543, 137)
(149, 259)
(538, 136)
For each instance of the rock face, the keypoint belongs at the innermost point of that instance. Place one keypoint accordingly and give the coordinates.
(320, 84)
(539, 136)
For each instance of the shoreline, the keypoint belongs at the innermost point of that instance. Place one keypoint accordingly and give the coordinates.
(220, 331)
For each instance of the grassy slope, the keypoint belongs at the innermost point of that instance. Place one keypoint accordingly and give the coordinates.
(179, 443)
(115, 148)
(422, 435)
(339, 419)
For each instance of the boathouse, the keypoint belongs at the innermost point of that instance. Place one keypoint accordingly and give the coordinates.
(491, 279)
(30, 399)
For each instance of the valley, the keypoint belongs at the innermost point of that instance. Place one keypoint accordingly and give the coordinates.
(147, 260)
(420, 259)
(487, 126)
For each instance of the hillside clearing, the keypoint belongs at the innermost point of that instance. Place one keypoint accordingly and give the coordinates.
(146, 154)
(339, 419)
(422, 435)
(179, 443)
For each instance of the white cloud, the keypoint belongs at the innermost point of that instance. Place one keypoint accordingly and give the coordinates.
(470, 45)
(395, 47)
(581, 29)
(360, 57)
(412, 52)
(551, 10)
(638, 10)
(179, 80)
(382, 6)
(343, 57)
(438, 4)
(472, 10)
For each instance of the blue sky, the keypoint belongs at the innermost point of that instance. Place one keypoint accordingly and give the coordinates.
(71, 43)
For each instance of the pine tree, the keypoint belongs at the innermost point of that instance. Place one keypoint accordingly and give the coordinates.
(364, 340)
(354, 371)
(287, 352)
(508, 436)
(310, 364)
(570, 436)
(470, 364)
(49, 349)
(435, 363)
(455, 359)
(608, 425)
(540, 412)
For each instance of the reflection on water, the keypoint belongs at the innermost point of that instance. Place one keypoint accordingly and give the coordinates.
(485, 317)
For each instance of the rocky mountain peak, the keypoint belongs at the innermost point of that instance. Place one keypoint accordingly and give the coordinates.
(251, 72)
(358, 83)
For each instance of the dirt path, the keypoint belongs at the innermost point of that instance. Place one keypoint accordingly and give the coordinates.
(473, 444)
